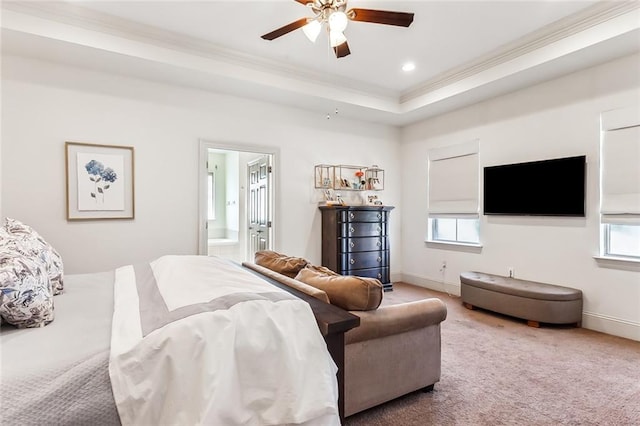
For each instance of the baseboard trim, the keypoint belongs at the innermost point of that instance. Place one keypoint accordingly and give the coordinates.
(611, 325)
(590, 320)
(450, 288)
(396, 277)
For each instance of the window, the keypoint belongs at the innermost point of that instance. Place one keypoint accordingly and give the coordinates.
(455, 230)
(211, 196)
(622, 240)
(620, 183)
(453, 194)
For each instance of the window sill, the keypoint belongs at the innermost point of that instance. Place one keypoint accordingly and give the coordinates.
(452, 245)
(618, 262)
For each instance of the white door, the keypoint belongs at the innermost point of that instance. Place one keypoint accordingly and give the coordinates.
(259, 174)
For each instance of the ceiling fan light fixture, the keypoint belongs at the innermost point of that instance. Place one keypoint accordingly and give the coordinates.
(334, 15)
(338, 21)
(312, 30)
(336, 38)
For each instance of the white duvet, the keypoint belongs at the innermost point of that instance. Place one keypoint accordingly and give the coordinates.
(197, 340)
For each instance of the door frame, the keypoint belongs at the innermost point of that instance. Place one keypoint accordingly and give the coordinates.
(204, 146)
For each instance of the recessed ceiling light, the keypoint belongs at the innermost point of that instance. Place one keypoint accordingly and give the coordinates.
(409, 66)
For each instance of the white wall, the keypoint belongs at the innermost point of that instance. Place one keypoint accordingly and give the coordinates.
(218, 166)
(555, 119)
(44, 105)
(1, 214)
(232, 194)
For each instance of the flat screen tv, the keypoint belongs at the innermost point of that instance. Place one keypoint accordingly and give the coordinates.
(553, 187)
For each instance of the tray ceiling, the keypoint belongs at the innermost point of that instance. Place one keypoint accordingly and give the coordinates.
(464, 51)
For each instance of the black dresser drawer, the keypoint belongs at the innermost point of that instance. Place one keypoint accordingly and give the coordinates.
(364, 260)
(348, 245)
(355, 241)
(380, 273)
(363, 216)
(362, 229)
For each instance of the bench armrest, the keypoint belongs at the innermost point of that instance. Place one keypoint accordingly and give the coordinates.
(396, 319)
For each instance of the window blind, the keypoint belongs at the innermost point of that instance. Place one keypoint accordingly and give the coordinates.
(453, 181)
(620, 166)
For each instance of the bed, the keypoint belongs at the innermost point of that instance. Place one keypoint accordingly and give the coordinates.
(276, 357)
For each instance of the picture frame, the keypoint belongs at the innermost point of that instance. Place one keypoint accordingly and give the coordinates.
(373, 200)
(100, 181)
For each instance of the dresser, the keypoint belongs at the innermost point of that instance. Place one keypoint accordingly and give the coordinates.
(355, 241)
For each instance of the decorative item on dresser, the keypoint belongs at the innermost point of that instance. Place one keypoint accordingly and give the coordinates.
(349, 178)
(355, 241)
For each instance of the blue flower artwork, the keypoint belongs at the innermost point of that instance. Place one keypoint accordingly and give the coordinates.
(100, 176)
(99, 182)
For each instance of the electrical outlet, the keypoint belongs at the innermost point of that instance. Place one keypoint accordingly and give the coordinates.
(512, 272)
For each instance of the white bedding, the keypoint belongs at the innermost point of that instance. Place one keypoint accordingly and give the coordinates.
(58, 374)
(198, 340)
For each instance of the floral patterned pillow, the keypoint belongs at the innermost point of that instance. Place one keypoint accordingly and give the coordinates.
(30, 243)
(26, 297)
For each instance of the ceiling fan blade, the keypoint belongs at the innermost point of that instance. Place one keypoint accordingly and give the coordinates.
(401, 19)
(286, 29)
(342, 50)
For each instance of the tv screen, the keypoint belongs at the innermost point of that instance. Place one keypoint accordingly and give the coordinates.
(539, 188)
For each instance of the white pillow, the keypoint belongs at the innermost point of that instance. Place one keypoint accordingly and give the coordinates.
(32, 244)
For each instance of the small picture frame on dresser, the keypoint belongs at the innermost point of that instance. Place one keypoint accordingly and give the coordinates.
(373, 200)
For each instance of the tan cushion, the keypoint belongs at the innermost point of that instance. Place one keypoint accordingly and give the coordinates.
(321, 269)
(518, 287)
(347, 292)
(297, 285)
(285, 265)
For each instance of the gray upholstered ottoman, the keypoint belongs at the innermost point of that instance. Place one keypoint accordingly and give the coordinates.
(533, 301)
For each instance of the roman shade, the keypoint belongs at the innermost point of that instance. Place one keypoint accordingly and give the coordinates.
(620, 166)
(453, 181)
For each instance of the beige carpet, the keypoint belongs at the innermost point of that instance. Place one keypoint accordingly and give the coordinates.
(498, 371)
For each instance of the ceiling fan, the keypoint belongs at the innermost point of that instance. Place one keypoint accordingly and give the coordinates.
(335, 15)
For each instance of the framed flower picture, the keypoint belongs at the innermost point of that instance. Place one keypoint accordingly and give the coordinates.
(99, 181)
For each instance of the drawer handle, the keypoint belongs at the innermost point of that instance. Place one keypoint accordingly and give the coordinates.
(379, 259)
(379, 276)
(352, 230)
(379, 228)
(352, 244)
(353, 261)
(379, 215)
(352, 216)
(379, 243)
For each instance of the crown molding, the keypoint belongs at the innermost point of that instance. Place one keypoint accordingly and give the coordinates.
(90, 20)
(73, 24)
(559, 30)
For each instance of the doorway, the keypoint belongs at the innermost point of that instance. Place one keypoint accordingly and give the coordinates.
(236, 214)
(259, 223)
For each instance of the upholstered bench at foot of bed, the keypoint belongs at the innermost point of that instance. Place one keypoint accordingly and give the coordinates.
(533, 301)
